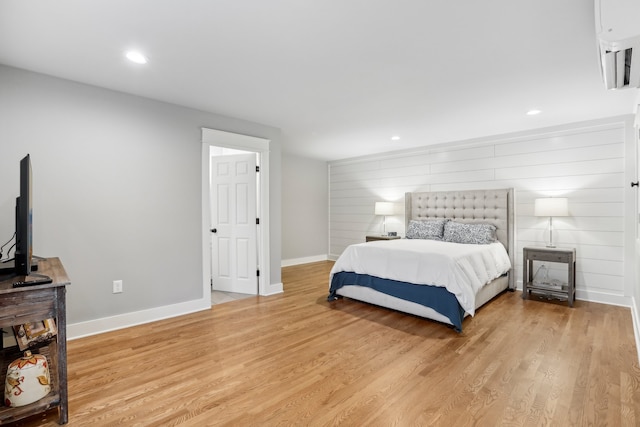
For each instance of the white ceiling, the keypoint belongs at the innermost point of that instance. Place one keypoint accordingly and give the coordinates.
(338, 77)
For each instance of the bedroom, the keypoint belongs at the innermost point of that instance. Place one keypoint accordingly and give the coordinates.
(121, 147)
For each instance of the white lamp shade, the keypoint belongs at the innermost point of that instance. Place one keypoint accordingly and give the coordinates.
(551, 206)
(384, 208)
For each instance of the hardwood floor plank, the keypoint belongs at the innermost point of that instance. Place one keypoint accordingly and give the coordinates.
(296, 359)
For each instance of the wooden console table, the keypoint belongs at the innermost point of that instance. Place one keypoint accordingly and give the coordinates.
(34, 304)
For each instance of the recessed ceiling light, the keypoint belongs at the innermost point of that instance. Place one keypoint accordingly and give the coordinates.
(533, 112)
(395, 138)
(137, 57)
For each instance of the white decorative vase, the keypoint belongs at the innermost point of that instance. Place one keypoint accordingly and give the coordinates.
(27, 380)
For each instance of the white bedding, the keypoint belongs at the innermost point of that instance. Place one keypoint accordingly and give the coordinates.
(461, 268)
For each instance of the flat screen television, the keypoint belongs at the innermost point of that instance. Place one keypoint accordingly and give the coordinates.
(24, 258)
(24, 216)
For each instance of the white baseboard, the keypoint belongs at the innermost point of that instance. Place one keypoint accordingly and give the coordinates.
(121, 321)
(636, 325)
(304, 260)
(603, 298)
(273, 288)
(126, 320)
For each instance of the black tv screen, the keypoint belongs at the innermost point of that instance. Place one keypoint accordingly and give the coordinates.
(23, 254)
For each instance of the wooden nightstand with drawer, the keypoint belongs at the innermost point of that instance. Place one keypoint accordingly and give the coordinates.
(562, 255)
(373, 238)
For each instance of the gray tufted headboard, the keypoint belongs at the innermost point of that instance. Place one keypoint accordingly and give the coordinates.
(492, 206)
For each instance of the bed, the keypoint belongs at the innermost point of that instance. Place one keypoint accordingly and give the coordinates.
(433, 274)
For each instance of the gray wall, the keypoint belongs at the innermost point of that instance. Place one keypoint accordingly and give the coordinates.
(304, 208)
(117, 189)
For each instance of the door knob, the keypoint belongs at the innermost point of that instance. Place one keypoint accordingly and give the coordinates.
(214, 230)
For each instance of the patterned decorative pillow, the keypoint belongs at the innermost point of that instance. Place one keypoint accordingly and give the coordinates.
(475, 233)
(432, 229)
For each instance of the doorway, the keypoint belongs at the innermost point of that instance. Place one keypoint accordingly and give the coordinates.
(228, 140)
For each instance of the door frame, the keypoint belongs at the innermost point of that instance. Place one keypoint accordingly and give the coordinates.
(214, 137)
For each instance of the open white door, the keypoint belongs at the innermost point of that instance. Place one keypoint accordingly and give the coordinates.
(233, 223)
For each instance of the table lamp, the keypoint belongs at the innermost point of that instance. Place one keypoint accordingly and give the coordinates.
(551, 206)
(384, 209)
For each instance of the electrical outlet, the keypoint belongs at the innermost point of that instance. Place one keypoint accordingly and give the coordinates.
(117, 286)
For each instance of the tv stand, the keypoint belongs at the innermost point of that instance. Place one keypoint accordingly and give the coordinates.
(34, 304)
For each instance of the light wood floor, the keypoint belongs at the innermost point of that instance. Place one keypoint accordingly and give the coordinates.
(295, 359)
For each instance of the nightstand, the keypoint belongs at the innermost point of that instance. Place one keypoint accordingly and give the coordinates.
(373, 238)
(563, 255)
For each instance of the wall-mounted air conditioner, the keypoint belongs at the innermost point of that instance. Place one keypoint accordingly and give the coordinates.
(618, 33)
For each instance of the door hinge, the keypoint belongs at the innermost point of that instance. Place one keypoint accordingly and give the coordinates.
(258, 273)
(257, 168)
(257, 221)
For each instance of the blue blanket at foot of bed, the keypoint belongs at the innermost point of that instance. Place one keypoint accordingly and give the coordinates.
(435, 297)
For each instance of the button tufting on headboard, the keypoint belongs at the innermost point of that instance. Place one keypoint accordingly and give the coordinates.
(494, 206)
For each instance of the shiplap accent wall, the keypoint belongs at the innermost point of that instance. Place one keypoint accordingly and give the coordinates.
(586, 164)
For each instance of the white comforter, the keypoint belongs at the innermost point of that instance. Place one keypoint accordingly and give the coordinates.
(462, 269)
